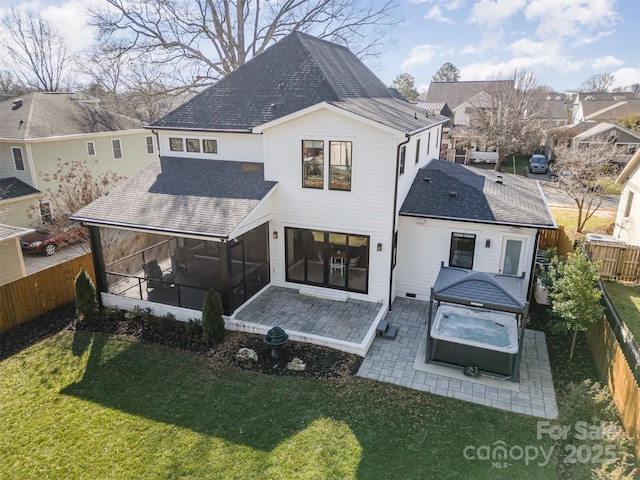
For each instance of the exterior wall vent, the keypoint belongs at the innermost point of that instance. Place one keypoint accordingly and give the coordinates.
(453, 194)
(426, 179)
(17, 103)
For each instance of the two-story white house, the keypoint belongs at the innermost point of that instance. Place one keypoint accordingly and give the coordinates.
(295, 171)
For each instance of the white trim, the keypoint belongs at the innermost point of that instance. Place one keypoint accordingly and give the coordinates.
(113, 150)
(93, 147)
(76, 136)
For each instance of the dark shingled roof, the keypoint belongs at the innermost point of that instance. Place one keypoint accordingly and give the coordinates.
(452, 191)
(46, 114)
(13, 187)
(489, 290)
(183, 195)
(297, 72)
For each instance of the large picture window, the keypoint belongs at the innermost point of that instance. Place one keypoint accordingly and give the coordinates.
(313, 163)
(327, 259)
(462, 248)
(340, 165)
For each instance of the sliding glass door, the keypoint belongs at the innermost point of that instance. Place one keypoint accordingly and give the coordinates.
(328, 259)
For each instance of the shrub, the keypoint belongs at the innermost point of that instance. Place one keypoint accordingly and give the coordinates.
(167, 322)
(86, 301)
(194, 326)
(212, 321)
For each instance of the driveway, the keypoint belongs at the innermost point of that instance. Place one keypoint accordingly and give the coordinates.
(34, 262)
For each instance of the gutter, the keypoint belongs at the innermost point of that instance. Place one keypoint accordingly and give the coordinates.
(186, 129)
(483, 222)
(393, 220)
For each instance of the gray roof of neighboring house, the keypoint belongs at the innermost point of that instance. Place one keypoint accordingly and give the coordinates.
(481, 196)
(297, 72)
(183, 195)
(42, 114)
(556, 109)
(610, 109)
(12, 187)
(456, 93)
(592, 128)
(492, 290)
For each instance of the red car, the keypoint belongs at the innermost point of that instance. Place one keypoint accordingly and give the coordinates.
(46, 242)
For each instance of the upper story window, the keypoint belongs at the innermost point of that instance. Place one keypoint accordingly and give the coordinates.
(149, 141)
(91, 149)
(176, 144)
(313, 163)
(340, 165)
(210, 146)
(117, 148)
(403, 154)
(193, 145)
(428, 143)
(18, 160)
(418, 151)
(462, 249)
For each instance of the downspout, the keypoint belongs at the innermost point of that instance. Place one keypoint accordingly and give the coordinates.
(393, 220)
(155, 132)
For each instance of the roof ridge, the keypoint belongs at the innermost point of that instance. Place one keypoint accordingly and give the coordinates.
(304, 37)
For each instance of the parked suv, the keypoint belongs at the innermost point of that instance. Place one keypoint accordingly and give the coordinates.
(538, 164)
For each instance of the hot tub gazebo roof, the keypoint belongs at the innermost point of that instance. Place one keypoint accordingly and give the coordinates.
(492, 291)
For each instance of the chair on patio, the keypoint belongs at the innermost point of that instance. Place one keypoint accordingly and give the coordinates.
(185, 260)
(154, 276)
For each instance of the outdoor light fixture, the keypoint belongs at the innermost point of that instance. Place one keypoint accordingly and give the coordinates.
(379, 247)
(275, 234)
(487, 243)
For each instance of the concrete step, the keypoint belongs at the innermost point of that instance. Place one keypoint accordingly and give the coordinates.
(391, 332)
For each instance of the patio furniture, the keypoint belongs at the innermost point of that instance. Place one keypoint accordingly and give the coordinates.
(338, 260)
(155, 277)
(185, 260)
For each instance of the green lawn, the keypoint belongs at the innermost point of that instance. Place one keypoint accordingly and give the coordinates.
(568, 218)
(627, 302)
(77, 406)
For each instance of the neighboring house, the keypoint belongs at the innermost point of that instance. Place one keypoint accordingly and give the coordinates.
(604, 106)
(558, 113)
(11, 260)
(625, 141)
(627, 225)
(37, 130)
(462, 98)
(302, 170)
(17, 201)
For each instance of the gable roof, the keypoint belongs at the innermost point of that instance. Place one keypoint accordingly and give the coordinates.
(45, 114)
(482, 196)
(490, 290)
(629, 168)
(590, 129)
(456, 93)
(296, 73)
(183, 195)
(13, 187)
(609, 109)
(7, 232)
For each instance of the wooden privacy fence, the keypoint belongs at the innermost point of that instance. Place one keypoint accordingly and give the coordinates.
(28, 297)
(616, 372)
(556, 239)
(617, 262)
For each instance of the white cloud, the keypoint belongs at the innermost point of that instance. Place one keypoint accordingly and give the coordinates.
(626, 76)
(420, 55)
(436, 14)
(492, 13)
(577, 18)
(589, 39)
(608, 61)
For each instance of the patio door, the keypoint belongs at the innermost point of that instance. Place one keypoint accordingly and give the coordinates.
(512, 253)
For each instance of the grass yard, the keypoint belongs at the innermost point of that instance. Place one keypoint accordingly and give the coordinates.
(82, 405)
(568, 218)
(627, 301)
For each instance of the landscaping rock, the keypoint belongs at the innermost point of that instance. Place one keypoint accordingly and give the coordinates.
(247, 355)
(297, 365)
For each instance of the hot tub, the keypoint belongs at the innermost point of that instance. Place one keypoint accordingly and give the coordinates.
(467, 336)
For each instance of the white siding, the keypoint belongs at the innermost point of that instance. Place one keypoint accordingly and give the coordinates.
(627, 227)
(240, 147)
(23, 212)
(424, 243)
(365, 210)
(7, 166)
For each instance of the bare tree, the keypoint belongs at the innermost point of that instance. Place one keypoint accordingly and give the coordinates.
(8, 83)
(406, 85)
(598, 83)
(585, 173)
(448, 72)
(211, 38)
(509, 114)
(36, 53)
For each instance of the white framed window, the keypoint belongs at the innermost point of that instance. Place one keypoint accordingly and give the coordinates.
(46, 212)
(176, 144)
(403, 155)
(91, 149)
(512, 256)
(149, 140)
(18, 159)
(193, 145)
(210, 146)
(461, 253)
(117, 148)
(418, 150)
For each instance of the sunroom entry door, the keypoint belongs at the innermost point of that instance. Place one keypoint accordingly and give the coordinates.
(328, 259)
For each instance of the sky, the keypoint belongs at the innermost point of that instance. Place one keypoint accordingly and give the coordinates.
(562, 41)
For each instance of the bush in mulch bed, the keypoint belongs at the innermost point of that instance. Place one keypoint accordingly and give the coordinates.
(321, 362)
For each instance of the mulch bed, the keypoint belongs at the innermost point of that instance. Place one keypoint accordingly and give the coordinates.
(321, 362)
